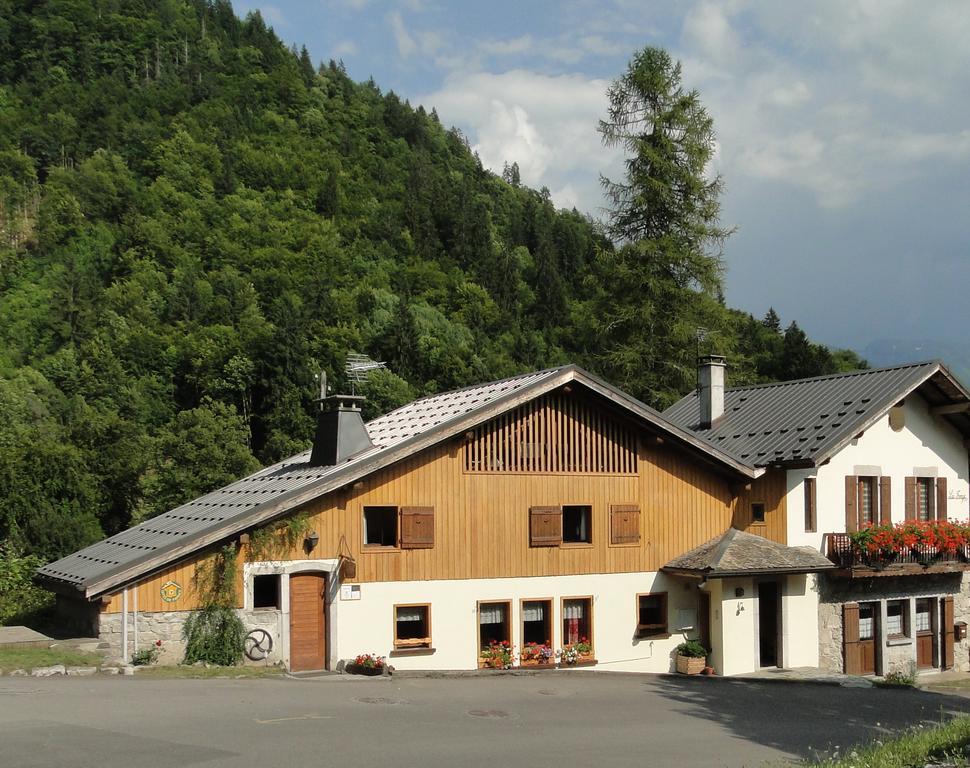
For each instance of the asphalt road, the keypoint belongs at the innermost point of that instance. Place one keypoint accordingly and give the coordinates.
(551, 719)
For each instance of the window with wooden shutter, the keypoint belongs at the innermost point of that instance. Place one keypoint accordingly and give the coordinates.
(417, 527)
(624, 524)
(851, 503)
(909, 489)
(545, 526)
(941, 498)
(885, 500)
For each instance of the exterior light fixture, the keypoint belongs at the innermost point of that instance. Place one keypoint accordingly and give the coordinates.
(311, 541)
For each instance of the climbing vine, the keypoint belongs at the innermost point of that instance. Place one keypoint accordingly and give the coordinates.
(276, 540)
(214, 634)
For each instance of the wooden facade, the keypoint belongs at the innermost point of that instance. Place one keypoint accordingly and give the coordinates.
(481, 518)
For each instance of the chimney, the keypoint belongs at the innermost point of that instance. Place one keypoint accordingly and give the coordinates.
(341, 433)
(710, 389)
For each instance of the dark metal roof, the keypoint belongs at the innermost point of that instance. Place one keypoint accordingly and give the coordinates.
(808, 420)
(274, 490)
(736, 553)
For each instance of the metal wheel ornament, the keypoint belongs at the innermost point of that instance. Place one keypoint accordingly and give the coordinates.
(258, 645)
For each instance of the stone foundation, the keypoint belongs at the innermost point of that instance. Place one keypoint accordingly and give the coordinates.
(168, 627)
(897, 657)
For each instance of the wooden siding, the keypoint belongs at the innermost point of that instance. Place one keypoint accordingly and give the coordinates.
(552, 434)
(482, 519)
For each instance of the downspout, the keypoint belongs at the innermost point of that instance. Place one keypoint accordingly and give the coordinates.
(124, 625)
(134, 647)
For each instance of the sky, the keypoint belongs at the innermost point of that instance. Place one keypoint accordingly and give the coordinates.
(843, 129)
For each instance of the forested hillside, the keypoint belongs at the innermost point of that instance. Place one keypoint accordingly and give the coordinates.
(194, 220)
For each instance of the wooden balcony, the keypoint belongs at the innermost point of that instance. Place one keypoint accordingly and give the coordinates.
(851, 563)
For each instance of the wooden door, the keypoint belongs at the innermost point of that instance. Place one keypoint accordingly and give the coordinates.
(308, 636)
(946, 631)
(924, 633)
(867, 637)
(768, 610)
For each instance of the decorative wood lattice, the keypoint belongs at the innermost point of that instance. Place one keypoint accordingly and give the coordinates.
(552, 434)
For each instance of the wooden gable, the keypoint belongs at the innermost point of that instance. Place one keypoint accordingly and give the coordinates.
(553, 434)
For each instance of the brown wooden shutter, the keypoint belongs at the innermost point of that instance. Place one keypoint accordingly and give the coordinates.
(545, 526)
(885, 500)
(811, 501)
(624, 524)
(851, 648)
(910, 493)
(851, 503)
(941, 498)
(947, 632)
(417, 527)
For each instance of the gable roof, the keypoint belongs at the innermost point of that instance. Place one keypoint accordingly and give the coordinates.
(806, 421)
(736, 553)
(282, 487)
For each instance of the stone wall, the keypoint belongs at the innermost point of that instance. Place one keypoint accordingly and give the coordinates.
(896, 657)
(167, 627)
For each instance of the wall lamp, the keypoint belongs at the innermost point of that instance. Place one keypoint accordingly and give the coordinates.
(310, 542)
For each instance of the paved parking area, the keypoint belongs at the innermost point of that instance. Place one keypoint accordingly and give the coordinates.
(547, 719)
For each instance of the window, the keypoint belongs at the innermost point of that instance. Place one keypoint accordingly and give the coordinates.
(924, 609)
(809, 490)
(493, 624)
(577, 621)
(266, 591)
(758, 512)
(412, 626)
(554, 526)
(867, 626)
(868, 514)
(924, 498)
(897, 617)
(577, 524)
(652, 614)
(624, 524)
(380, 526)
(537, 622)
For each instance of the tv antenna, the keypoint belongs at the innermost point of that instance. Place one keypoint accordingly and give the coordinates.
(358, 368)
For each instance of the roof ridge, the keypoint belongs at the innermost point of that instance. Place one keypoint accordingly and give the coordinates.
(828, 376)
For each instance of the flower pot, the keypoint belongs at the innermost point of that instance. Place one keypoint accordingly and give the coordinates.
(690, 665)
(360, 669)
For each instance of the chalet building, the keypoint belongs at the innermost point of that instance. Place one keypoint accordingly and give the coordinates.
(552, 510)
(852, 450)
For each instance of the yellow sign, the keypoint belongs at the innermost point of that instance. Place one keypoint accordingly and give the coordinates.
(171, 591)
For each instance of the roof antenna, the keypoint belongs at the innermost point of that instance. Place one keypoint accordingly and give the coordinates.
(358, 368)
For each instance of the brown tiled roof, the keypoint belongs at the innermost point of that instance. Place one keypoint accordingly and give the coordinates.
(736, 553)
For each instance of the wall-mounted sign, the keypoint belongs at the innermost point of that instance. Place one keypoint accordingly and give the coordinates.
(171, 591)
(350, 592)
(959, 495)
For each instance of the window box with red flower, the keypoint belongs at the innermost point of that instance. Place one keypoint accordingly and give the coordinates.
(537, 655)
(499, 654)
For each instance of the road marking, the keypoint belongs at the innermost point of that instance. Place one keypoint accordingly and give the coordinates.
(298, 717)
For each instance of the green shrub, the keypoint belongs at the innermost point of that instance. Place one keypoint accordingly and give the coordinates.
(214, 635)
(20, 599)
(693, 649)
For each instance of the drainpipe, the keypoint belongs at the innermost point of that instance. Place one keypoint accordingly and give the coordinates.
(134, 647)
(124, 625)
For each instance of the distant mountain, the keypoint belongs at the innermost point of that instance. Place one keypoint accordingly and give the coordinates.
(956, 355)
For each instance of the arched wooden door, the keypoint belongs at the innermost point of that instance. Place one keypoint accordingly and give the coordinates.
(308, 623)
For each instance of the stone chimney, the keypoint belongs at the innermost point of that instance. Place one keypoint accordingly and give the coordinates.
(710, 389)
(341, 433)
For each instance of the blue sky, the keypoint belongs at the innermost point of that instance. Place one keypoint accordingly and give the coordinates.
(843, 129)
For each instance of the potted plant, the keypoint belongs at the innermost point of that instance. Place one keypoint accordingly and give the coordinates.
(367, 664)
(691, 658)
(579, 652)
(499, 655)
(536, 655)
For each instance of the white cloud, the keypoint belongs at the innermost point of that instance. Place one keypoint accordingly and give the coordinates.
(516, 45)
(546, 124)
(405, 43)
(708, 31)
(344, 48)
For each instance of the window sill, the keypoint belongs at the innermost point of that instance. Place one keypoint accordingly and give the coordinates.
(899, 640)
(581, 663)
(373, 549)
(576, 545)
(664, 635)
(628, 544)
(266, 609)
(411, 652)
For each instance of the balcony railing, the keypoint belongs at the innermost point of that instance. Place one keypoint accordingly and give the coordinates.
(839, 549)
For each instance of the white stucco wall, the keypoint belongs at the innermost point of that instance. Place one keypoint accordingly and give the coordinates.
(800, 621)
(366, 624)
(736, 620)
(925, 443)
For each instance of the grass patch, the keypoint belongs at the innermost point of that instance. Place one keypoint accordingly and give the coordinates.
(951, 684)
(191, 672)
(913, 748)
(30, 658)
